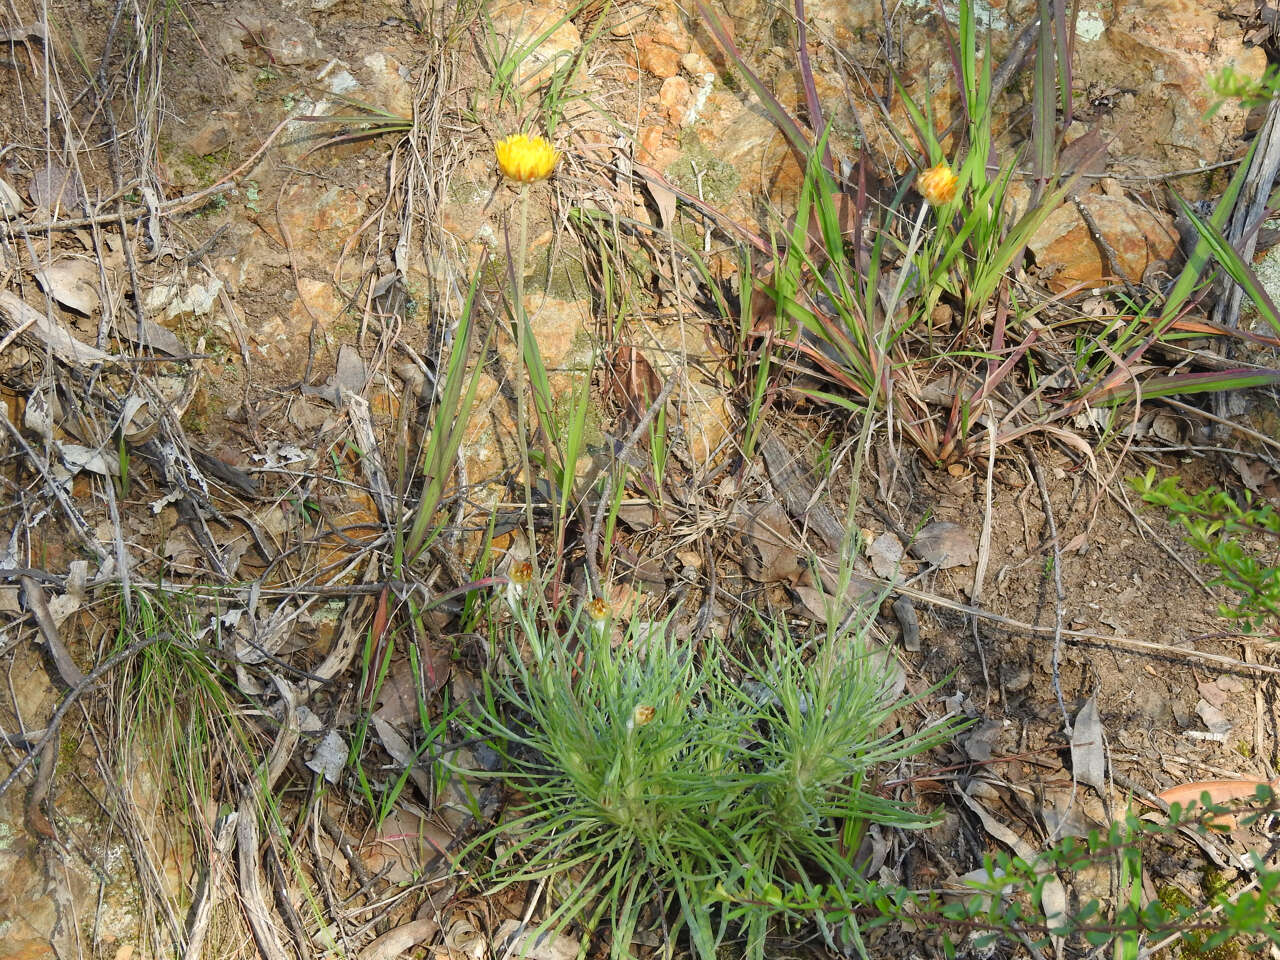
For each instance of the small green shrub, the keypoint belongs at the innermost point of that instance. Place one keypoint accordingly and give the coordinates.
(1010, 901)
(1230, 84)
(1224, 531)
(651, 774)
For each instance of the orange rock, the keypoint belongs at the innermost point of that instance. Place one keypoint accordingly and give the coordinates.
(1065, 249)
(28, 950)
(318, 300)
(674, 98)
(650, 145)
(658, 58)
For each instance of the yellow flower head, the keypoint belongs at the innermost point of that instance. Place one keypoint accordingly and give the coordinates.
(598, 610)
(525, 159)
(521, 573)
(937, 185)
(642, 715)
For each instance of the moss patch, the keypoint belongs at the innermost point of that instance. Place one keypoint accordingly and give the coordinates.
(719, 179)
(557, 272)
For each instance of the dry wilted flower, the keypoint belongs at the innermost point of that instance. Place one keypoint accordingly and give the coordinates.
(525, 159)
(521, 573)
(642, 715)
(598, 610)
(937, 185)
(518, 579)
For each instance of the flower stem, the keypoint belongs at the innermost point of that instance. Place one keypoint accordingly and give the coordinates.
(522, 410)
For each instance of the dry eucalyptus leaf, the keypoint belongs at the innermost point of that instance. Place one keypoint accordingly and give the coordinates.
(768, 528)
(57, 338)
(56, 189)
(945, 544)
(1220, 791)
(399, 940)
(73, 283)
(10, 201)
(1214, 719)
(330, 757)
(1088, 759)
(518, 940)
(885, 554)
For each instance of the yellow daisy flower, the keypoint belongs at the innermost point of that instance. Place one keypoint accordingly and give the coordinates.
(526, 159)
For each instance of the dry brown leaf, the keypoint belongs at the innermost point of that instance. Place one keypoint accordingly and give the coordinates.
(1220, 791)
(514, 939)
(73, 283)
(633, 382)
(1088, 758)
(767, 528)
(401, 939)
(945, 544)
